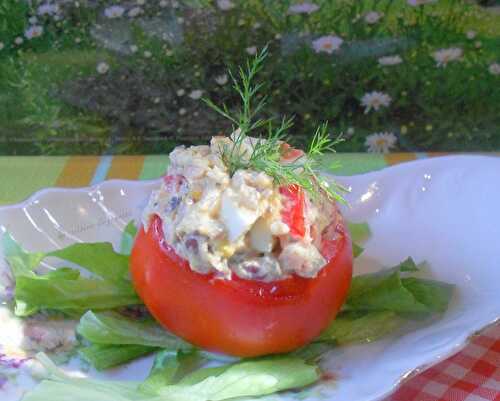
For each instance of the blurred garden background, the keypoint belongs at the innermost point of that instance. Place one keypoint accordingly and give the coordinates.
(128, 76)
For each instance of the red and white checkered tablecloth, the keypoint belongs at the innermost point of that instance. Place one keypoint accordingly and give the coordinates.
(471, 375)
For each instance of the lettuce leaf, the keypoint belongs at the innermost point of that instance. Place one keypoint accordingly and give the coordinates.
(244, 379)
(360, 232)
(98, 258)
(102, 356)
(169, 367)
(350, 328)
(128, 237)
(357, 250)
(251, 378)
(66, 293)
(20, 261)
(65, 289)
(113, 328)
(391, 290)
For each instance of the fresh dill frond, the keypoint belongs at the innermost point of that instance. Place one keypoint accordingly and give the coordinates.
(268, 151)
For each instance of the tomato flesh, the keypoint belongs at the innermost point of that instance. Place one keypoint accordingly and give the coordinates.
(237, 316)
(293, 209)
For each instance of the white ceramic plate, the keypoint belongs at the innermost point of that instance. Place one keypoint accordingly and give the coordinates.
(442, 210)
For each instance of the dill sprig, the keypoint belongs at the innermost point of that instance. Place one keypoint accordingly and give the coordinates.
(267, 152)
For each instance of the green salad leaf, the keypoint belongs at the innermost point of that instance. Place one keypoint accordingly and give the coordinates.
(357, 249)
(170, 367)
(103, 356)
(58, 386)
(251, 378)
(112, 328)
(350, 327)
(244, 379)
(65, 289)
(377, 304)
(128, 237)
(64, 293)
(20, 261)
(391, 290)
(98, 258)
(360, 232)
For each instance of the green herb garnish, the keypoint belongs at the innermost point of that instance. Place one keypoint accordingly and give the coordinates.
(267, 152)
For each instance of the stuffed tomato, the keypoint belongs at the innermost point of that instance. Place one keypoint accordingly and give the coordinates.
(236, 262)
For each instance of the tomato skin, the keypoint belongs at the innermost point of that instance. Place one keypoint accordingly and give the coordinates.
(236, 316)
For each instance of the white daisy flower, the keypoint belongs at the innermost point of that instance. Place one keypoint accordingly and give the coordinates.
(102, 67)
(196, 94)
(416, 3)
(134, 48)
(221, 79)
(494, 68)
(225, 5)
(303, 8)
(182, 111)
(78, 40)
(470, 34)
(257, 25)
(375, 100)
(390, 60)
(18, 41)
(181, 92)
(327, 44)
(147, 54)
(114, 12)
(48, 9)
(134, 12)
(380, 142)
(34, 31)
(33, 20)
(2, 45)
(252, 50)
(141, 2)
(372, 17)
(444, 56)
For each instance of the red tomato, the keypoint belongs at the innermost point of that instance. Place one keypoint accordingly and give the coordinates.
(293, 208)
(236, 316)
(289, 153)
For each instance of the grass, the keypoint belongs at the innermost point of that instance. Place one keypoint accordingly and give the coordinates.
(450, 108)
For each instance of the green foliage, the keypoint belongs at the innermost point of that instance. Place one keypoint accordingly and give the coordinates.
(433, 108)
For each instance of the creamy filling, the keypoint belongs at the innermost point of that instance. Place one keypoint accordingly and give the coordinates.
(226, 224)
